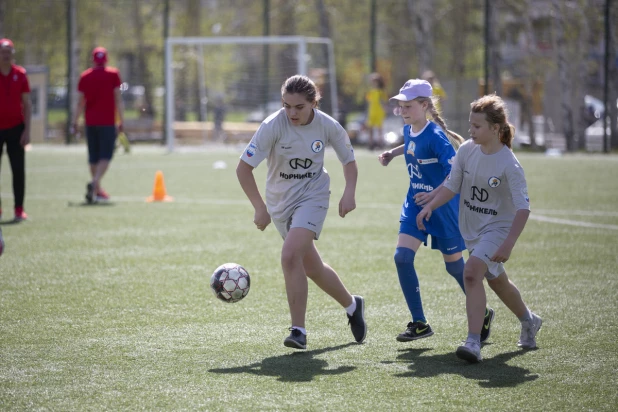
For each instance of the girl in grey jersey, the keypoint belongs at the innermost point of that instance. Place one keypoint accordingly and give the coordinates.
(493, 210)
(293, 141)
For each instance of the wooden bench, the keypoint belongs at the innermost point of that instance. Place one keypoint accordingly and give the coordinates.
(143, 129)
(233, 132)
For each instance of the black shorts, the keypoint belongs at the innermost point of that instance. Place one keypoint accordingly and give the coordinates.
(101, 143)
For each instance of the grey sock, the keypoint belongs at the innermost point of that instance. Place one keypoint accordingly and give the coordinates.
(476, 337)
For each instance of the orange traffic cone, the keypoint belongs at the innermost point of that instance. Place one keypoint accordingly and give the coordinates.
(158, 192)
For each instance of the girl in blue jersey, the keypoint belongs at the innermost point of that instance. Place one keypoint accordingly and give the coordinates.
(428, 153)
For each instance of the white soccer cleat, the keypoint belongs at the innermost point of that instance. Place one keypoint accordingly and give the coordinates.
(470, 351)
(529, 329)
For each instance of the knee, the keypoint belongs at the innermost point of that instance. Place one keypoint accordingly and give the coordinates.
(403, 256)
(471, 276)
(290, 259)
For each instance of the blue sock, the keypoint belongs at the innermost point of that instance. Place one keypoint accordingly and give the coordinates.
(456, 270)
(404, 260)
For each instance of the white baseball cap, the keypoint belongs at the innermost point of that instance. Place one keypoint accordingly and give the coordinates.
(412, 89)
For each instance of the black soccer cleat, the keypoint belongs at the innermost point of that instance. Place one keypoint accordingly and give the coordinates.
(90, 195)
(357, 320)
(296, 340)
(414, 331)
(489, 317)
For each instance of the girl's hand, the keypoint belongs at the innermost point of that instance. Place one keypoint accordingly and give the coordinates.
(261, 218)
(424, 214)
(503, 253)
(386, 157)
(346, 204)
(424, 198)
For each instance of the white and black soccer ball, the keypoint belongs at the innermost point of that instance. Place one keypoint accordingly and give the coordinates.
(230, 282)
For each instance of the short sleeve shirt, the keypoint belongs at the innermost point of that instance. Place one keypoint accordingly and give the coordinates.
(12, 88)
(428, 155)
(98, 84)
(492, 188)
(295, 160)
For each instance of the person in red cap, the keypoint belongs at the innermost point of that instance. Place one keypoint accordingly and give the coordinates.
(99, 97)
(15, 111)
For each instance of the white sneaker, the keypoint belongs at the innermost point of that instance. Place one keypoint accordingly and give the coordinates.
(529, 329)
(470, 351)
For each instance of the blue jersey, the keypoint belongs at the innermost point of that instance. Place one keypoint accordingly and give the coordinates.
(429, 156)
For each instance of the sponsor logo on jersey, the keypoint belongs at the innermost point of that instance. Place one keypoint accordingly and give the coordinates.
(482, 210)
(494, 181)
(251, 149)
(317, 146)
(302, 163)
(524, 191)
(411, 148)
(479, 194)
(290, 176)
(422, 186)
(413, 170)
(427, 161)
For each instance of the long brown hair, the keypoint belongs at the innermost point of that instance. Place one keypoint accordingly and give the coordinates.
(495, 112)
(455, 139)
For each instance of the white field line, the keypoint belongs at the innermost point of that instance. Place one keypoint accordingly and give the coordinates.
(576, 212)
(229, 202)
(569, 222)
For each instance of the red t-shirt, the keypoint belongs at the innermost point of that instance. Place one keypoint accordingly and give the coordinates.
(98, 84)
(12, 87)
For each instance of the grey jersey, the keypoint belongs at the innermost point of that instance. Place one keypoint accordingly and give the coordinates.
(296, 172)
(492, 188)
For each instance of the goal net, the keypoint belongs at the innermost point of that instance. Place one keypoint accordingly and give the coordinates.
(221, 88)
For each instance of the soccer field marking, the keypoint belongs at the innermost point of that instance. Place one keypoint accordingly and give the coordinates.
(576, 212)
(231, 202)
(569, 222)
(542, 217)
(137, 199)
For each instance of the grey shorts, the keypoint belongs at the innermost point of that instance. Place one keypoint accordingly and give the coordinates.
(484, 248)
(308, 217)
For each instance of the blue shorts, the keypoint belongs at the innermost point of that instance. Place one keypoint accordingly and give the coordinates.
(101, 143)
(447, 246)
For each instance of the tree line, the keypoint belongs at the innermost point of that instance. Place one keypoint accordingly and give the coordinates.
(528, 40)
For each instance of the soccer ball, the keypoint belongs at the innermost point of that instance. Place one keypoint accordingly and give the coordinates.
(230, 282)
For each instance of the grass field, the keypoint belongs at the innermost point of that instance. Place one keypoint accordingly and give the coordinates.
(109, 308)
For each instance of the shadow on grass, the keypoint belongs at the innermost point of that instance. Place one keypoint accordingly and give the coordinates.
(10, 222)
(80, 204)
(294, 367)
(491, 372)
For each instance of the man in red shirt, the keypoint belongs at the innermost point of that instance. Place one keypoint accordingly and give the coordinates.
(15, 111)
(99, 96)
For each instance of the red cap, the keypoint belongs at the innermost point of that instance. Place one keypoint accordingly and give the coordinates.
(99, 56)
(6, 43)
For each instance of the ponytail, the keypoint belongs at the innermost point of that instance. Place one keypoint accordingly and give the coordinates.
(506, 133)
(454, 139)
